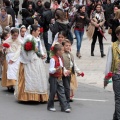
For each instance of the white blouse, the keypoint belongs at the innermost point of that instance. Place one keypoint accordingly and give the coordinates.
(15, 47)
(52, 68)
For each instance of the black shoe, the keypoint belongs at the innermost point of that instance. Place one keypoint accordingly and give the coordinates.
(47, 61)
(103, 55)
(92, 54)
(71, 100)
(92, 50)
(10, 89)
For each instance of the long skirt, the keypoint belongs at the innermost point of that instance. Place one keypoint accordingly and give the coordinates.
(6, 82)
(25, 96)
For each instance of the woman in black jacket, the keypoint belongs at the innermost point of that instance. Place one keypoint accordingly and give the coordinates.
(80, 19)
(114, 23)
(61, 24)
(16, 7)
(30, 10)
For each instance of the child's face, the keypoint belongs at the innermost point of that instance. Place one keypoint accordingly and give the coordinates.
(61, 38)
(7, 36)
(15, 36)
(60, 52)
(118, 36)
(37, 32)
(23, 31)
(67, 47)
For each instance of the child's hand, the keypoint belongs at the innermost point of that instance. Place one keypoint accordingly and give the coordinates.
(58, 69)
(36, 49)
(11, 62)
(44, 56)
(67, 73)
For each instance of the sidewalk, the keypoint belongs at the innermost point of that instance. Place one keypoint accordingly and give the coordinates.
(93, 67)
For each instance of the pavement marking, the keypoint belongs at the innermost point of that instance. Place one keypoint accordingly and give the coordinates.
(92, 100)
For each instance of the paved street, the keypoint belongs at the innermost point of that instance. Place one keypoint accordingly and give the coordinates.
(82, 109)
(91, 101)
(93, 67)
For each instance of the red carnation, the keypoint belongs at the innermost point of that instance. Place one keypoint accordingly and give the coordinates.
(52, 48)
(41, 30)
(82, 74)
(6, 45)
(109, 75)
(28, 46)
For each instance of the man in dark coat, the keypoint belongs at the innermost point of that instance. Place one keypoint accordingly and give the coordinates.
(26, 4)
(108, 11)
(44, 22)
(39, 7)
(10, 11)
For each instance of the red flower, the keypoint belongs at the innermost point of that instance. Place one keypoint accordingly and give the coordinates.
(6, 45)
(41, 30)
(82, 74)
(28, 46)
(52, 48)
(109, 75)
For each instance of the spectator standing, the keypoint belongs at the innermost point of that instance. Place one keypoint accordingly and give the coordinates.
(16, 7)
(39, 7)
(44, 22)
(10, 11)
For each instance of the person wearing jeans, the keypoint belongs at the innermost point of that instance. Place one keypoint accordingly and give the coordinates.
(80, 19)
(79, 36)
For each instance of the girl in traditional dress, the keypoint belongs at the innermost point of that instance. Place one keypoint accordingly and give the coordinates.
(12, 61)
(23, 31)
(32, 81)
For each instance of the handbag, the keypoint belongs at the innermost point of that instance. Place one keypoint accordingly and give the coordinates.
(109, 31)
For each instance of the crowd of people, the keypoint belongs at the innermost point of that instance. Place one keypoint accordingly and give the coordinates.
(22, 69)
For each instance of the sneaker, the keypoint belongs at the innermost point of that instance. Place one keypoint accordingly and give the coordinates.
(52, 109)
(68, 110)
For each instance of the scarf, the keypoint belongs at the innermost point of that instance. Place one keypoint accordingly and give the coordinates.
(3, 17)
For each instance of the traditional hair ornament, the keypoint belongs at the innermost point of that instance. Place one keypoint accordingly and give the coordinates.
(23, 26)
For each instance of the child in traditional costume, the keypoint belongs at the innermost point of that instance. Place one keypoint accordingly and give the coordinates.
(32, 81)
(70, 67)
(12, 48)
(55, 80)
(4, 36)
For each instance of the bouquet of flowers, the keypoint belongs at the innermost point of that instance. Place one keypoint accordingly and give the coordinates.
(107, 78)
(29, 45)
(6, 45)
